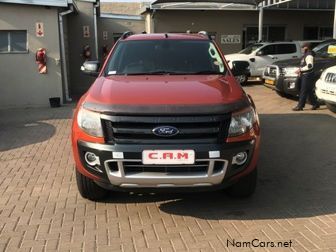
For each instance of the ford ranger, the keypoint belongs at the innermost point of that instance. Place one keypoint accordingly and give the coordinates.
(165, 113)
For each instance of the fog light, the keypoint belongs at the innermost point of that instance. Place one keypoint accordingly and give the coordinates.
(92, 159)
(292, 85)
(239, 158)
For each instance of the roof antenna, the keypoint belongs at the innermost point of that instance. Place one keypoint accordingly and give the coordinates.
(166, 35)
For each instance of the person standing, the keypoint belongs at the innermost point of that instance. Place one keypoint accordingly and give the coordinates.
(307, 76)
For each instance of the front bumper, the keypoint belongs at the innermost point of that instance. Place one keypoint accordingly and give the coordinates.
(282, 84)
(128, 172)
(326, 91)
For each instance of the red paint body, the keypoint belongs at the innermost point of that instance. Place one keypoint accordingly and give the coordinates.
(164, 90)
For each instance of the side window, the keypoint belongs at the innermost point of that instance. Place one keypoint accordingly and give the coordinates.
(286, 48)
(269, 50)
(13, 41)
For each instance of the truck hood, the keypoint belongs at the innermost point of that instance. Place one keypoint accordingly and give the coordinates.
(288, 63)
(237, 56)
(118, 92)
(296, 62)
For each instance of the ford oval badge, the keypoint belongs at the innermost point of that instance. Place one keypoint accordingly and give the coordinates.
(165, 131)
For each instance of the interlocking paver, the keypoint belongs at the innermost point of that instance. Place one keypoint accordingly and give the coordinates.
(41, 210)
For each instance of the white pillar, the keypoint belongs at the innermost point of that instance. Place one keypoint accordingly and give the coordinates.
(149, 20)
(334, 36)
(261, 23)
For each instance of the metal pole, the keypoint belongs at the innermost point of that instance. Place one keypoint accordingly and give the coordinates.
(334, 35)
(63, 58)
(95, 7)
(261, 23)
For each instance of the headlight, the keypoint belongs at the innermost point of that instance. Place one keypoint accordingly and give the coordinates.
(242, 122)
(90, 122)
(290, 71)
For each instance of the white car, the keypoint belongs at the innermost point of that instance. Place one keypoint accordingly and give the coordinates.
(260, 55)
(326, 88)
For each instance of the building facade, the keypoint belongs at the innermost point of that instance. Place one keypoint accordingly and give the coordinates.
(21, 84)
(235, 28)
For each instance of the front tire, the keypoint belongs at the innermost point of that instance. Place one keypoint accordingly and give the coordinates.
(245, 187)
(242, 79)
(89, 189)
(331, 107)
(281, 94)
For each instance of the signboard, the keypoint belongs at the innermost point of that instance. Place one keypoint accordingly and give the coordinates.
(105, 35)
(39, 29)
(86, 31)
(230, 39)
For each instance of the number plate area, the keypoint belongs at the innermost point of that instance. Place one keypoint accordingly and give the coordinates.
(168, 157)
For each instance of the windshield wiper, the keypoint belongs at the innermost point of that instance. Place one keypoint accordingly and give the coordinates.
(207, 72)
(159, 72)
(162, 72)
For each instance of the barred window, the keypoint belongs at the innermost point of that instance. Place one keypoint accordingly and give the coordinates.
(13, 41)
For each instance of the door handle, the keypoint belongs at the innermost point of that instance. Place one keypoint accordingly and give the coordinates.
(274, 58)
(294, 57)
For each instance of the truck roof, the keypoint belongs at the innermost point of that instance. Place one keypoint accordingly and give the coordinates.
(162, 36)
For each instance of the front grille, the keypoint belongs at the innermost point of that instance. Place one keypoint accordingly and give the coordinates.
(330, 77)
(192, 129)
(132, 168)
(271, 71)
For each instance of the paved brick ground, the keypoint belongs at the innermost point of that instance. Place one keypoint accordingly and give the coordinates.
(40, 208)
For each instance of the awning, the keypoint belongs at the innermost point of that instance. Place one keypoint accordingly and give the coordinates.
(53, 3)
(247, 2)
(229, 4)
(215, 4)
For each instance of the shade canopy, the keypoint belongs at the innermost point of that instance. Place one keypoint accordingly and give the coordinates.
(247, 2)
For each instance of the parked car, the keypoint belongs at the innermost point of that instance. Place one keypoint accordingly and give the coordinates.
(326, 88)
(167, 113)
(281, 75)
(260, 55)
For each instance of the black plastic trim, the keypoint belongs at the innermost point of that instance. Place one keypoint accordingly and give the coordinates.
(201, 109)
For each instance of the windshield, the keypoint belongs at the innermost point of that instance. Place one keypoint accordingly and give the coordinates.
(326, 49)
(320, 46)
(142, 57)
(250, 49)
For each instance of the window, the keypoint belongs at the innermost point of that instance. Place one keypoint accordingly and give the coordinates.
(250, 49)
(13, 41)
(270, 33)
(269, 50)
(315, 32)
(326, 33)
(276, 33)
(286, 48)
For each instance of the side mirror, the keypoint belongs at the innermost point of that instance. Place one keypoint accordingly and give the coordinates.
(240, 68)
(260, 53)
(91, 68)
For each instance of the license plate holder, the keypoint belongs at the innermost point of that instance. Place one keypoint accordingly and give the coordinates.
(168, 157)
(270, 82)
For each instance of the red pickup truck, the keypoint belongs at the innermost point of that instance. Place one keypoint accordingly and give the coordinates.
(165, 113)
